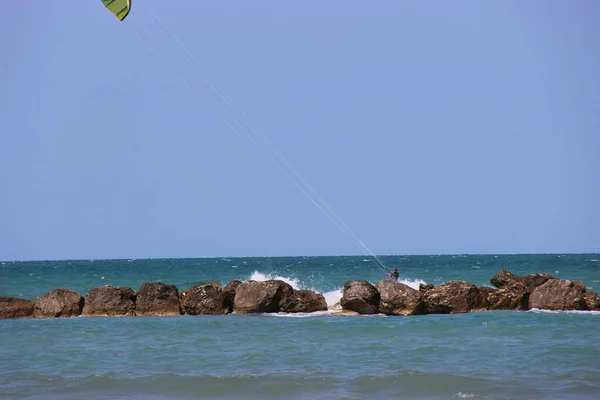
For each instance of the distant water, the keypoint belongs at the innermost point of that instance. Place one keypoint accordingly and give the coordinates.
(486, 355)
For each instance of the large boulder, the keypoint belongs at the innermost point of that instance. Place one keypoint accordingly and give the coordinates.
(58, 303)
(157, 298)
(360, 296)
(260, 297)
(303, 301)
(558, 295)
(109, 301)
(229, 294)
(530, 282)
(207, 298)
(14, 307)
(453, 297)
(512, 296)
(399, 299)
(592, 301)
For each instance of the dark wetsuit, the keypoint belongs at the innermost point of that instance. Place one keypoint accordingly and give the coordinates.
(394, 275)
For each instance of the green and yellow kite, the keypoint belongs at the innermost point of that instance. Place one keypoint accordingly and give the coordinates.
(118, 7)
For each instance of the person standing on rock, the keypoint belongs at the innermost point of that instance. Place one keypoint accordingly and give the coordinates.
(394, 274)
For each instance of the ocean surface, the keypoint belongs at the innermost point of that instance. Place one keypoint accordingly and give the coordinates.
(484, 355)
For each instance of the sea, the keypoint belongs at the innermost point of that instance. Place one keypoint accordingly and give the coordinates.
(481, 355)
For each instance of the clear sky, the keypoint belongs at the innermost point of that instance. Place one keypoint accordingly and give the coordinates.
(428, 128)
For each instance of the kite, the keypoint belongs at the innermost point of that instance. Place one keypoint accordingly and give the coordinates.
(118, 7)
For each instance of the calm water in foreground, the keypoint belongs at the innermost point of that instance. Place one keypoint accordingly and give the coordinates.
(486, 355)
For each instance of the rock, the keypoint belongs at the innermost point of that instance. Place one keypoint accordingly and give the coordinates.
(502, 278)
(229, 293)
(534, 280)
(58, 303)
(157, 298)
(592, 301)
(558, 294)
(360, 296)
(453, 297)
(399, 299)
(512, 296)
(303, 301)
(425, 287)
(110, 301)
(14, 307)
(485, 291)
(260, 297)
(530, 282)
(204, 299)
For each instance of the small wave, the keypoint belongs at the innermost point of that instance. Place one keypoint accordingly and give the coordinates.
(298, 315)
(466, 395)
(259, 276)
(539, 310)
(413, 283)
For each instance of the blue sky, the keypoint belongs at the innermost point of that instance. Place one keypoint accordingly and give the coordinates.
(463, 127)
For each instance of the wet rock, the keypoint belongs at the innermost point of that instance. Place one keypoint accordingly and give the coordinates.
(512, 296)
(558, 294)
(14, 307)
(453, 297)
(360, 296)
(204, 299)
(399, 299)
(229, 293)
(157, 298)
(303, 301)
(260, 297)
(592, 301)
(58, 303)
(109, 301)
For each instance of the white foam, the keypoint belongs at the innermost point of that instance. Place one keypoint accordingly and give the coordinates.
(259, 276)
(539, 310)
(298, 315)
(333, 297)
(414, 283)
(464, 395)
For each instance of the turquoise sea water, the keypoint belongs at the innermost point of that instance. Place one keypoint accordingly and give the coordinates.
(485, 355)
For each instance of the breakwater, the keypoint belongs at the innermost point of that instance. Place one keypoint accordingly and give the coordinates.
(510, 292)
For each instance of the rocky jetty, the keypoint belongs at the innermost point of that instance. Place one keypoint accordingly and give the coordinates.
(386, 297)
